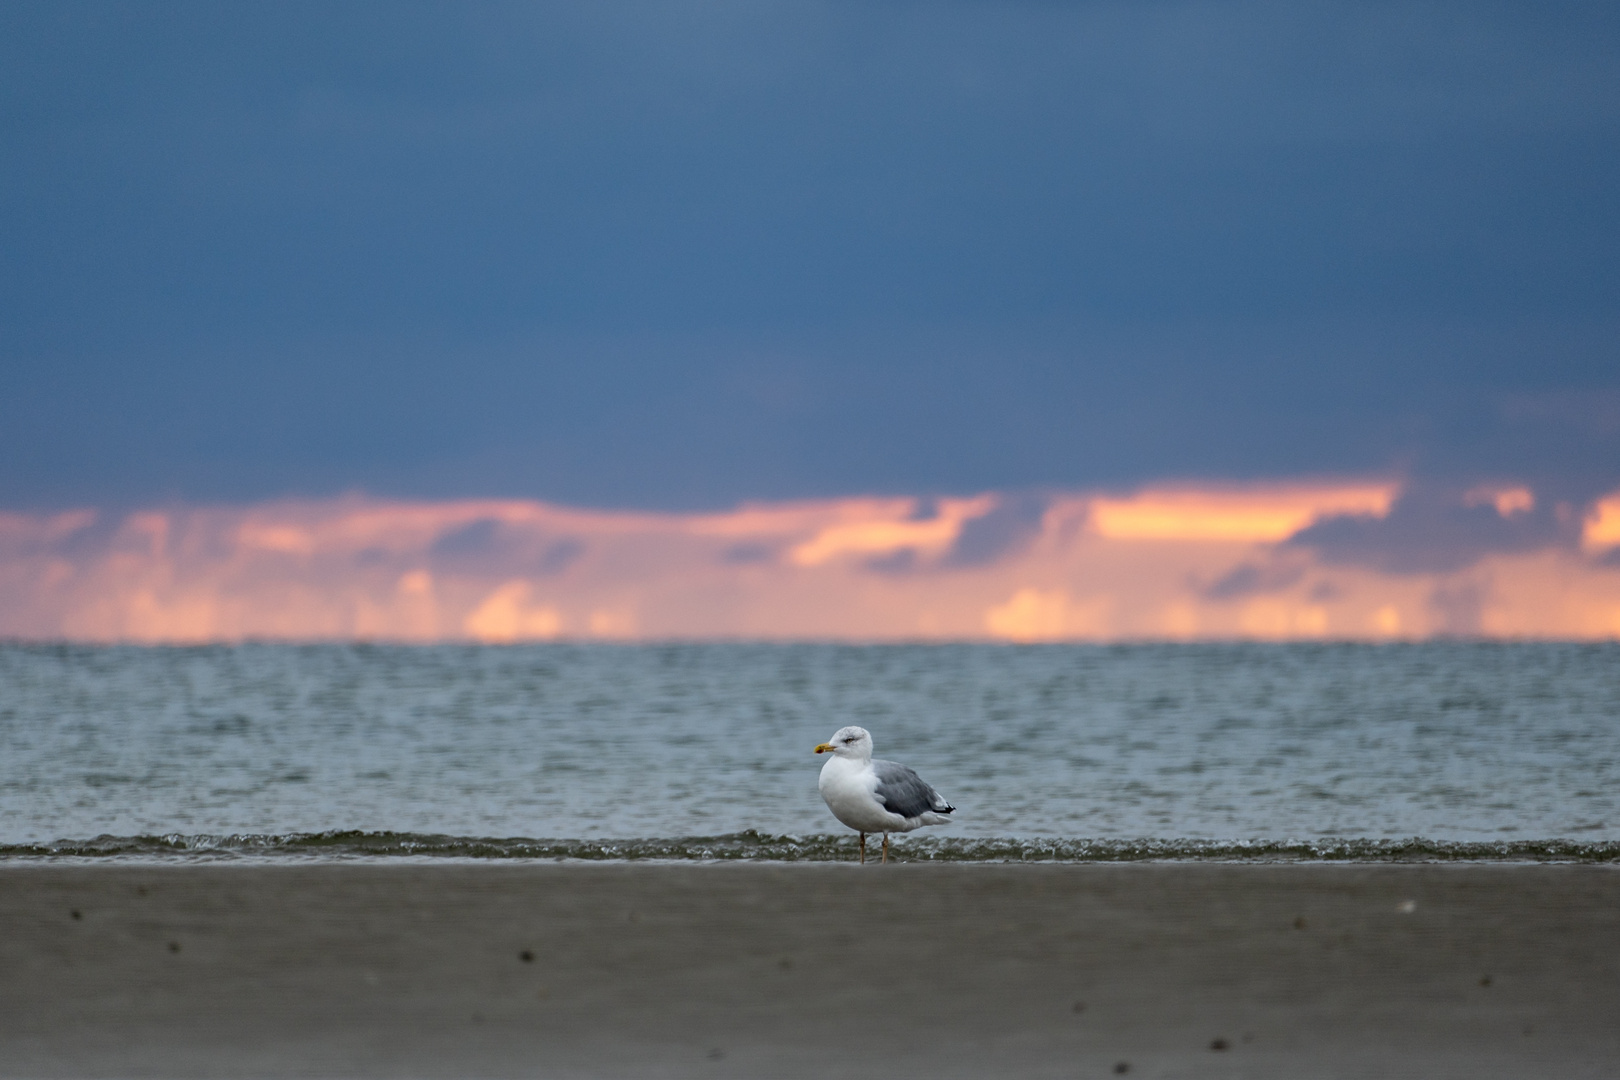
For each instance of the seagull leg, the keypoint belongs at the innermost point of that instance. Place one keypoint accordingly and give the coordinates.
(885, 849)
(863, 849)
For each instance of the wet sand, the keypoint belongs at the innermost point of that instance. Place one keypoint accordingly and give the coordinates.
(1151, 970)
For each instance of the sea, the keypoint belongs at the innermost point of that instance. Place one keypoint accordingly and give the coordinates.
(1435, 750)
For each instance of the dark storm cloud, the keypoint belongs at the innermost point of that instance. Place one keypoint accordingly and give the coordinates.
(1012, 523)
(682, 255)
(1256, 578)
(1433, 530)
(489, 543)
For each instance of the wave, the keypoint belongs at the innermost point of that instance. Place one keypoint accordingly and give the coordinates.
(752, 846)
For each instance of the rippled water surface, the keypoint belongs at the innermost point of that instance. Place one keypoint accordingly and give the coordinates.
(1450, 741)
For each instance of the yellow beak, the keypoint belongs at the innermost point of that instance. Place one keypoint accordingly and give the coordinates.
(824, 748)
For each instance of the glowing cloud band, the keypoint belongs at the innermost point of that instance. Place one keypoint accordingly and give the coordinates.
(1179, 563)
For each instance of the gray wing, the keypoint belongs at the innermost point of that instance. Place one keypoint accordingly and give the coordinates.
(905, 793)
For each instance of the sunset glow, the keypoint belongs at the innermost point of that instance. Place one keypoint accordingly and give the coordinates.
(1602, 529)
(1257, 514)
(1162, 564)
(879, 535)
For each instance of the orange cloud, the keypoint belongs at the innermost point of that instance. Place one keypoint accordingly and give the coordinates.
(1179, 563)
(1507, 501)
(1601, 530)
(283, 538)
(881, 535)
(508, 615)
(1032, 614)
(1256, 514)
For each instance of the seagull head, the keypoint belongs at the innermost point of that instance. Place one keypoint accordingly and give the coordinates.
(850, 742)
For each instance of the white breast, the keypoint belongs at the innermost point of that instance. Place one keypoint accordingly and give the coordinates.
(847, 787)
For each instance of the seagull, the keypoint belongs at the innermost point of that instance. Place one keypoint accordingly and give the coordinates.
(875, 796)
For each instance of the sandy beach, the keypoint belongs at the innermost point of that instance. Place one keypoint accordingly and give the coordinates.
(1153, 970)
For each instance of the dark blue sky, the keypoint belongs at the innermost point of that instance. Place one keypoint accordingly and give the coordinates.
(681, 255)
